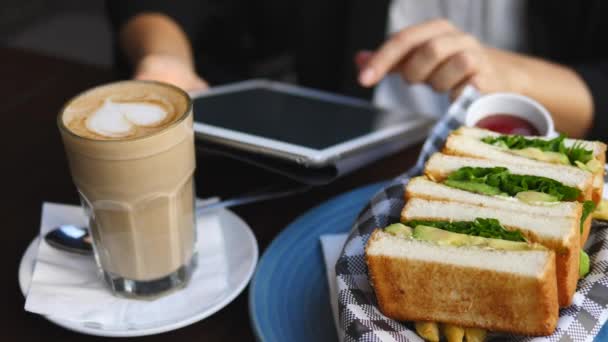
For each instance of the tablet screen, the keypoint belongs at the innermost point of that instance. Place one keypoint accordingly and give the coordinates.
(315, 123)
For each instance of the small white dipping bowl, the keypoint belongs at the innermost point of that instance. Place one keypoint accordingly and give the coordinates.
(511, 104)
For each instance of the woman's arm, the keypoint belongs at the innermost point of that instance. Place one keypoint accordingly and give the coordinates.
(595, 75)
(160, 50)
(437, 53)
(156, 38)
(557, 87)
(154, 34)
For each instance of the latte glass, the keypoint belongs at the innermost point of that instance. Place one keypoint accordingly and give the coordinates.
(136, 187)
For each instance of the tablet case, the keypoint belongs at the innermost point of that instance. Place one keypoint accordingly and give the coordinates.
(314, 175)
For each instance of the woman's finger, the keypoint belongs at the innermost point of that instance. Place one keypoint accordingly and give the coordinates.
(454, 70)
(362, 58)
(458, 89)
(430, 55)
(398, 46)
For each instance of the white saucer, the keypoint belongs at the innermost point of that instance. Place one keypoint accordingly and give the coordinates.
(241, 257)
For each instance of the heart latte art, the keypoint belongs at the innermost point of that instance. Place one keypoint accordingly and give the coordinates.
(121, 119)
(129, 111)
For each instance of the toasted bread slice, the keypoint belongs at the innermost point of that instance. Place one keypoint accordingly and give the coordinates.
(466, 141)
(598, 147)
(560, 234)
(508, 291)
(440, 166)
(421, 187)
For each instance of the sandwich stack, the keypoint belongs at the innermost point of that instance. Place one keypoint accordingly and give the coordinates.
(490, 237)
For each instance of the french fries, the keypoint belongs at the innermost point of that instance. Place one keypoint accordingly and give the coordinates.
(453, 333)
(428, 331)
(475, 334)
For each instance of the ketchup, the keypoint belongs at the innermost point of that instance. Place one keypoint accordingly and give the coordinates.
(507, 124)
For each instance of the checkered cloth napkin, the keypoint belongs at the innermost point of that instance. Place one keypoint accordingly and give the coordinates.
(360, 318)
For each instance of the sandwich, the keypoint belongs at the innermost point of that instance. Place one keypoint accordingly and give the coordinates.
(490, 237)
(440, 166)
(422, 187)
(559, 234)
(587, 156)
(473, 274)
(531, 202)
(534, 189)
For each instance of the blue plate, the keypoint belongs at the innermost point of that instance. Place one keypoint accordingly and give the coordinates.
(289, 297)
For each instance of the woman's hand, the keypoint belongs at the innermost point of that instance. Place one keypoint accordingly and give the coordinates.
(169, 69)
(438, 54)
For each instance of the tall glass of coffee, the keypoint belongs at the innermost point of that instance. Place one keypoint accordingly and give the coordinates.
(130, 147)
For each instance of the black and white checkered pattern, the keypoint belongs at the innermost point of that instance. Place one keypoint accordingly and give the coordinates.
(359, 315)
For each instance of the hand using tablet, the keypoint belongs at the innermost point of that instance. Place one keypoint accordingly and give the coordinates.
(437, 53)
(169, 69)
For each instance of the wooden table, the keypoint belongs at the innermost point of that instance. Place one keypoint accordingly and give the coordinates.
(34, 170)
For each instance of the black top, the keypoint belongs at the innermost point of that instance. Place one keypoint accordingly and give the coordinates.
(318, 39)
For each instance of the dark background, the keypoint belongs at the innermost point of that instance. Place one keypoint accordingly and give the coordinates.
(69, 29)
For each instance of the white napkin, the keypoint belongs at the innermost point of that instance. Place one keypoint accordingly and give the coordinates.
(332, 246)
(68, 286)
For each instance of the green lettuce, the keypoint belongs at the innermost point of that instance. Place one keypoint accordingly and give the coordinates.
(518, 142)
(588, 207)
(584, 264)
(503, 182)
(488, 228)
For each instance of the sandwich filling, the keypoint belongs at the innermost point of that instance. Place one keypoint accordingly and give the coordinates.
(488, 233)
(498, 181)
(551, 151)
(482, 227)
(482, 232)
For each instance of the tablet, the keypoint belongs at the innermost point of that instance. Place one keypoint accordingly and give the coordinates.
(301, 125)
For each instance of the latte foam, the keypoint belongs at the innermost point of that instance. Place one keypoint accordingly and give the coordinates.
(121, 119)
(124, 111)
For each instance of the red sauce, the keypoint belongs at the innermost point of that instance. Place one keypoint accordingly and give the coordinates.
(507, 124)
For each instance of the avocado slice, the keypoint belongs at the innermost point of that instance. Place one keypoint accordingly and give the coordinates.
(583, 267)
(601, 212)
(444, 237)
(546, 156)
(399, 229)
(534, 197)
(592, 166)
(479, 188)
